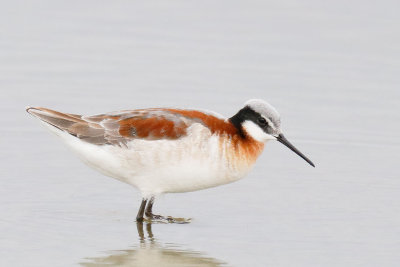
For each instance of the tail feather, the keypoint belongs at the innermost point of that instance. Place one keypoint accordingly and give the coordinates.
(57, 119)
(71, 123)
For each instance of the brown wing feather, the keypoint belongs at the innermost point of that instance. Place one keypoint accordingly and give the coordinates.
(119, 127)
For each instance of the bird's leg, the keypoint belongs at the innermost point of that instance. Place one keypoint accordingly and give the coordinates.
(166, 219)
(139, 216)
(149, 208)
(149, 211)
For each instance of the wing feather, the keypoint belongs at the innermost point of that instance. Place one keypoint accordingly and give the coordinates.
(118, 128)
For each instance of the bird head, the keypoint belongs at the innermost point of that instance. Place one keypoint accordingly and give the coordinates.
(262, 122)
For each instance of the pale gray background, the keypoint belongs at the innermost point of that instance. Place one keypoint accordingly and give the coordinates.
(330, 67)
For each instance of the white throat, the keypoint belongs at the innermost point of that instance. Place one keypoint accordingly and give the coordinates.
(256, 132)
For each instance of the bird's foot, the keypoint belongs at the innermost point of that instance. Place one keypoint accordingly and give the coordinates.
(153, 218)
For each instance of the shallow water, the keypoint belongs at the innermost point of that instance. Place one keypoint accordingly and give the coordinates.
(150, 252)
(330, 68)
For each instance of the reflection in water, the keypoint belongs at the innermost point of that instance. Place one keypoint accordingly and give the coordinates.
(152, 253)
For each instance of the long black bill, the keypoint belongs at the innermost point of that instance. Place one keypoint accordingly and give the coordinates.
(281, 138)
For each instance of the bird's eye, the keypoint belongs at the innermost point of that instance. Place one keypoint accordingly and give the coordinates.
(262, 121)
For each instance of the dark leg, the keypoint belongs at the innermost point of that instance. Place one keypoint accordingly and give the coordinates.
(139, 216)
(149, 208)
(149, 214)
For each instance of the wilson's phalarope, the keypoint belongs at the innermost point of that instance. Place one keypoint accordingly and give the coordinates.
(164, 150)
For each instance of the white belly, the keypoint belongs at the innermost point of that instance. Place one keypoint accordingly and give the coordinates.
(194, 162)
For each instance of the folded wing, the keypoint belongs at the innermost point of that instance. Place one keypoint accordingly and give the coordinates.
(118, 128)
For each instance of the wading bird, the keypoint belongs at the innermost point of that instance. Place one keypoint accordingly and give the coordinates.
(165, 150)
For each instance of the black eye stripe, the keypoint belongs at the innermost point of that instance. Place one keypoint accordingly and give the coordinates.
(248, 114)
